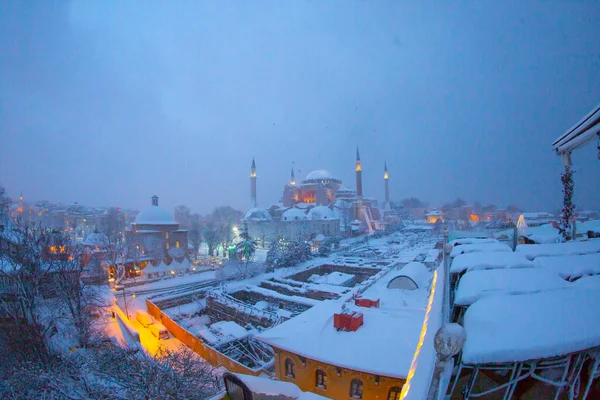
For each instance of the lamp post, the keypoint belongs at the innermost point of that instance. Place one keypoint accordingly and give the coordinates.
(125, 301)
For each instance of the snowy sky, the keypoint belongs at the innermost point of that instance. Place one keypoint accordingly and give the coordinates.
(108, 103)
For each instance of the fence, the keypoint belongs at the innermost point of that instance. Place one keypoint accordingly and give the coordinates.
(197, 345)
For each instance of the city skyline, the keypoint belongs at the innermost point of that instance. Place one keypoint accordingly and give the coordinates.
(108, 105)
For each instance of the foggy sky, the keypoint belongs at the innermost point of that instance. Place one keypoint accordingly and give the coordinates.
(108, 103)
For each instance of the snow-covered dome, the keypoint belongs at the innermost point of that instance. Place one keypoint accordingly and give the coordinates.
(257, 214)
(344, 189)
(293, 214)
(321, 213)
(154, 215)
(320, 175)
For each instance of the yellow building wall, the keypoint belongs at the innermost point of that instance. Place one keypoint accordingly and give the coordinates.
(338, 385)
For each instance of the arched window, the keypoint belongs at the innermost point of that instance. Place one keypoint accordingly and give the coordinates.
(321, 379)
(177, 244)
(289, 368)
(356, 389)
(394, 393)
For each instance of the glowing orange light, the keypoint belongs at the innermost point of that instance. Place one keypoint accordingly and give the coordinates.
(415, 361)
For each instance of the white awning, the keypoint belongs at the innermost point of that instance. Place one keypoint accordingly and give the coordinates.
(583, 132)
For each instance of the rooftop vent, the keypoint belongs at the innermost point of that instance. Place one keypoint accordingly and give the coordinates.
(367, 303)
(347, 321)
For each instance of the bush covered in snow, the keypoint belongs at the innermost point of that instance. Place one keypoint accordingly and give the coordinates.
(287, 254)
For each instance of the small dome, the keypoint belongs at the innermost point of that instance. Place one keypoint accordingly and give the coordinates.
(413, 275)
(321, 213)
(154, 215)
(293, 214)
(257, 214)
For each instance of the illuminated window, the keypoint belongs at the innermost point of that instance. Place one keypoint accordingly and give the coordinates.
(289, 369)
(394, 393)
(356, 389)
(177, 244)
(321, 379)
(167, 245)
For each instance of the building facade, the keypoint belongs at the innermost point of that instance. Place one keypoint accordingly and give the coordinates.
(155, 236)
(332, 381)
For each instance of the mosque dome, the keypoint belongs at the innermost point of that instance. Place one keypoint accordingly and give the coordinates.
(293, 214)
(154, 215)
(257, 214)
(321, 175)
(321, 213)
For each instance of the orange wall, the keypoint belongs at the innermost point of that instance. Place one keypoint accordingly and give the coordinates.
(197, 345)
(338, 387)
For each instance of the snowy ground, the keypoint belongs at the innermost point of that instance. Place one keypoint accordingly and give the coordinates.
(365, 261)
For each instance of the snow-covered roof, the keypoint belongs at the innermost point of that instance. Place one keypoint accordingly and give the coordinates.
(257, 214)
(319, 174)
(586, 226)
(312, 335)
(434, 213)
(537, 215)
(571, 266)
(478, 248)
(96, 239)
(458, 242)
(394, 328)
(154, 215)
(580, 134)
(489, 260)
(293, 214)
(344, 189)
(588, 282)
(321, 213)
(476, 285)
(270, 387)
(504, 329)
(532, 251)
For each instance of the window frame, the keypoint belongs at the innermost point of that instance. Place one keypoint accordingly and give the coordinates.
(290, 370)
(322, 382)
(356, 392)
(395, 391)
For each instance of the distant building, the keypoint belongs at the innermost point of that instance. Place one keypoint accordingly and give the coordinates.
(318, 205)
(155, 236)
(434, 216)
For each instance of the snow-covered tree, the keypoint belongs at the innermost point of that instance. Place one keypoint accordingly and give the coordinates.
(246, 248)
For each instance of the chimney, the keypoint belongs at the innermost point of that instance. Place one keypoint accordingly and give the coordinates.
(155, 200)
(347, 321)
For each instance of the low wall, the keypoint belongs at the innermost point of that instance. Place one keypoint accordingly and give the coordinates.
(197, 345)
(360, 274)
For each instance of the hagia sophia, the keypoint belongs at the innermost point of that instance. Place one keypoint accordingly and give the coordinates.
(319, 206)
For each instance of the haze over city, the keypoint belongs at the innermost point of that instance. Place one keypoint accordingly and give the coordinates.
(109, 103)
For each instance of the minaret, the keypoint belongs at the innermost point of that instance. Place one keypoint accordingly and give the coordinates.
(292, 179)
(20, 209)
(387, 187)
(359, 192)
(253, 184)
(155, 200)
